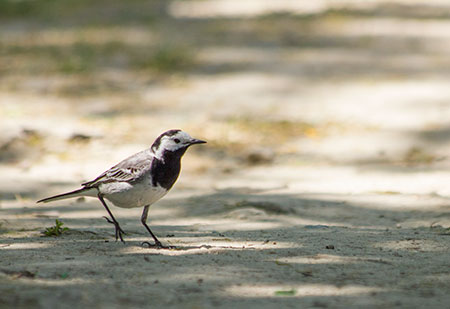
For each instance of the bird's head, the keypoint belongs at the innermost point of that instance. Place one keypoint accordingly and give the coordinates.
(173, 141)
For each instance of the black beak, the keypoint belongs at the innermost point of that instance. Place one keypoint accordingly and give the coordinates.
(196, 141)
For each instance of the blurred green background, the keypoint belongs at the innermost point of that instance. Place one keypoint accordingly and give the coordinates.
(286, 82)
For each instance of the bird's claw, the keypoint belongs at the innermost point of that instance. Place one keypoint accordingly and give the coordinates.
(157, 245)
(108, 219)
(118, 231)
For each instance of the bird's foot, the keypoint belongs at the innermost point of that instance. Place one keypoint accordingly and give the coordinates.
(157, 245)
(118, 231)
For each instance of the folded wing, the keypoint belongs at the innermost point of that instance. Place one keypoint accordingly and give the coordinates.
(129, 170)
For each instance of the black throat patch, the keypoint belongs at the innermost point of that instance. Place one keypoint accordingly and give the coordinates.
(165, 171)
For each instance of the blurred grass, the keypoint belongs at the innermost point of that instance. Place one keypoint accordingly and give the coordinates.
(168, 45)
(158, 54)
(26, 8)
(84, 57)
(167, 58)
(118, 48)
(77, 37)
(84, 11)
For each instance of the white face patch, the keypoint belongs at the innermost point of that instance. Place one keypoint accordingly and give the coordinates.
(172, 143)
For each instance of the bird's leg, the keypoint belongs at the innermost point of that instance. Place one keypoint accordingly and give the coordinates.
(119, 230)
(157, 244)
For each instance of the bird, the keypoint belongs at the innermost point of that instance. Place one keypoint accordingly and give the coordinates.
(139, 180)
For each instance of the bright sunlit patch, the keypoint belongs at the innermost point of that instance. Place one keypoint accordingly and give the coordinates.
(24, 246)
(59, 282)
(182, 249)
(248, 8)
(319, 259)
(207, 245)
(299, 290)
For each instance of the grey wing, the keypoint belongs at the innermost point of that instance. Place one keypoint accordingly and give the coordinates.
(128, 170)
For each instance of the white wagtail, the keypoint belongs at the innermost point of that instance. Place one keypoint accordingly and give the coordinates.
(139, 180)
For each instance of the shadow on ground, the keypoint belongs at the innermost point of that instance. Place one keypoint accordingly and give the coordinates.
(253, 250)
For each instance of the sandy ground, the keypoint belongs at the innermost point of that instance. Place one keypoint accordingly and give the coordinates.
(325, 182)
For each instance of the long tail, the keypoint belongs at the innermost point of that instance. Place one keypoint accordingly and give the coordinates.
(79, 192)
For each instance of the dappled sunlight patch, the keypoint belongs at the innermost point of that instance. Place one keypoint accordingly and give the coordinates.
(329, 259)
(256, 8)
(319, 259)
(249, 8)
(251, 291)
(368, 188)
(63, 281)
(166, 252)
(184, 249)
(391, 27)
(25, 246)
(202, 245)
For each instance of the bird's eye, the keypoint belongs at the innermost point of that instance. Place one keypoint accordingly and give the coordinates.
(176, 140)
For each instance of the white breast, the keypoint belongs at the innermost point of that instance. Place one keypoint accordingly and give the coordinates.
(125, 195)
